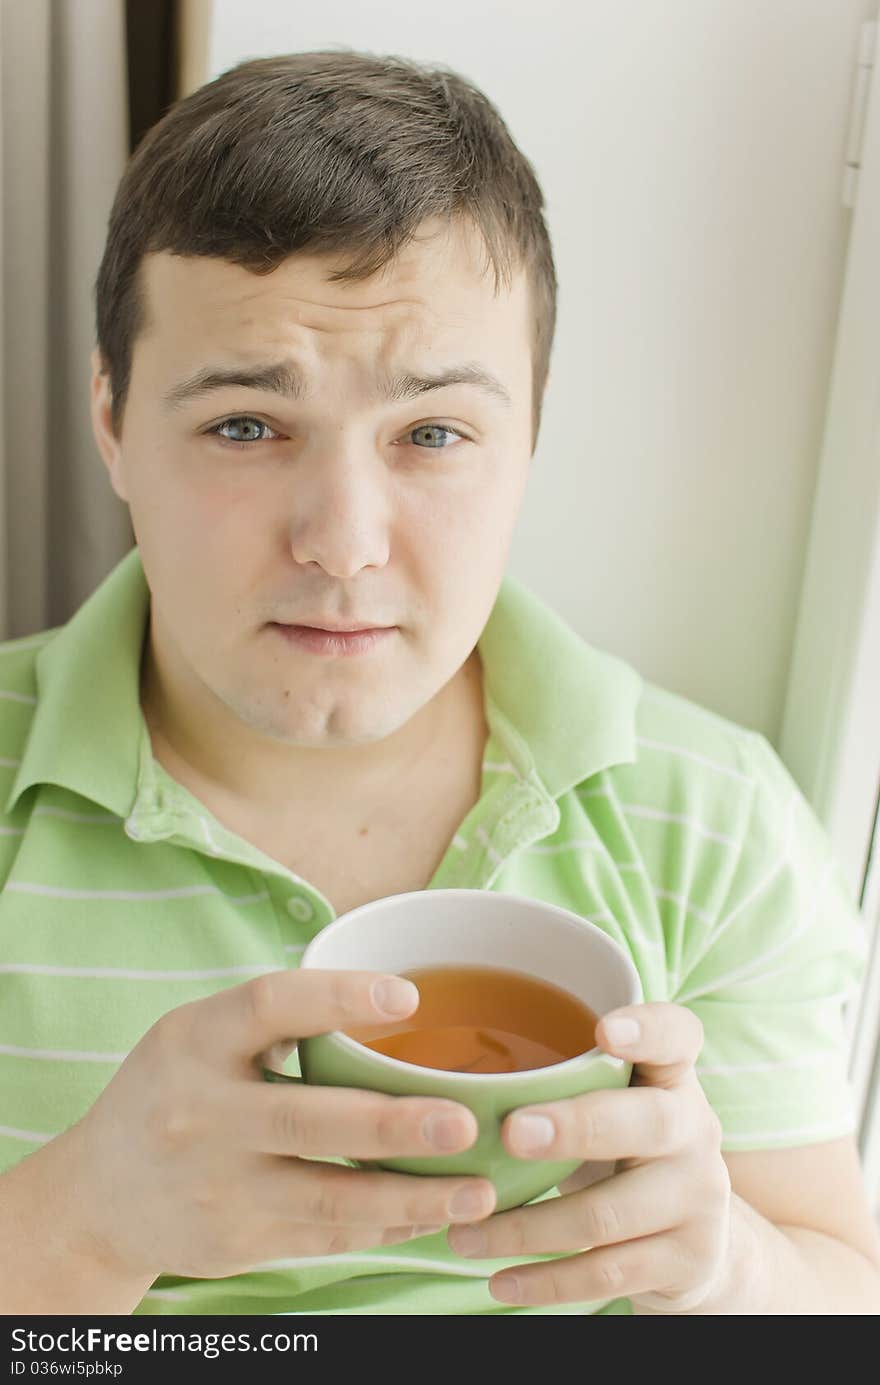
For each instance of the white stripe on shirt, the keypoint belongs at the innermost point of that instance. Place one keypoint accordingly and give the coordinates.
(810, 1060)
(34, 1137)
(836, 1130)
(28, 642)
(60, 1055)
(185, 892)
(693, 755)
(483, 838)
(753, 969)
(129, 974)
(700, 914)
(641, 810)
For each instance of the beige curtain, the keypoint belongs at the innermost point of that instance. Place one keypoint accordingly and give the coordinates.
(64, 126)
(194, 19)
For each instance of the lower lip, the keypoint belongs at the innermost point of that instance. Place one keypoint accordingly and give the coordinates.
(337, 642)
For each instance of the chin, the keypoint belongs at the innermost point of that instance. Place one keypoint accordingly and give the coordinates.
(335, 730)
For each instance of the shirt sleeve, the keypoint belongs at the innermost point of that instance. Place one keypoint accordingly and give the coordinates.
(786, 953)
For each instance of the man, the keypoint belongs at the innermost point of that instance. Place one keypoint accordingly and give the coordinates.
(321, 412)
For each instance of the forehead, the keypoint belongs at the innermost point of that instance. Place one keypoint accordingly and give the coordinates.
(437, 294)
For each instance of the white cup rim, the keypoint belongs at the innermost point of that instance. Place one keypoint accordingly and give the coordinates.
(505, 1079)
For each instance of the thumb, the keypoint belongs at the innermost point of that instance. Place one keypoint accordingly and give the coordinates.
(244, 1021)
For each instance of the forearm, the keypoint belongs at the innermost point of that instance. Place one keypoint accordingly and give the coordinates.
(50, 1264)
(788, 1271)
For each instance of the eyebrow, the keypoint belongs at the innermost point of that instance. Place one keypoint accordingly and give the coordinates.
(283, 378)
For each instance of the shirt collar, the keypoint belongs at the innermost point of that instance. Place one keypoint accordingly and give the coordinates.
(569, 708)
(562, 709)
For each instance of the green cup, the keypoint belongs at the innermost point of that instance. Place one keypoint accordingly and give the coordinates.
(428, 928)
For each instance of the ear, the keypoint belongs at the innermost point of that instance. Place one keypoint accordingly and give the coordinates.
(109, 445)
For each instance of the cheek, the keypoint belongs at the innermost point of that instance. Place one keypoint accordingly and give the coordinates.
(443, 533)
(481, 506)
(195, 538)
(455, 546)
(168, 503)
(219, 521)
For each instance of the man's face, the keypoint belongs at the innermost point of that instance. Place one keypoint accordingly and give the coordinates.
(339, 506)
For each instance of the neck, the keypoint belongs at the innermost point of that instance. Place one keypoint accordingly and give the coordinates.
(231, 764)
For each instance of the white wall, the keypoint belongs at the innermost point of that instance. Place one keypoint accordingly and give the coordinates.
(692, 156)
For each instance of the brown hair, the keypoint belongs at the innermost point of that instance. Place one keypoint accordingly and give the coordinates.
(326, 151)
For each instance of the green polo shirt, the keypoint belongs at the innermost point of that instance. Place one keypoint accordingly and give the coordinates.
(678, 832)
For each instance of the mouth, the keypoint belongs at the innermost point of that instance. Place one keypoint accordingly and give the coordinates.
(319, 640)
(356, 628)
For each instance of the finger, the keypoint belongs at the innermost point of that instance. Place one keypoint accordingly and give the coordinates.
(633, 1123)
(291, 1238)
(639, 1202)
(395, 1234)
(666, 1043)
(326, 1121)
(246, 1020)
(586, 1174)
(652, 1264)
(329, 1195)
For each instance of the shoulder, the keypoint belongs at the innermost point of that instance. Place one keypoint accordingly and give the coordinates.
(703, 782)
(18, 659)
(667, 720)
(672, 729)
(706, 757)
(18, 700)
(691, 760)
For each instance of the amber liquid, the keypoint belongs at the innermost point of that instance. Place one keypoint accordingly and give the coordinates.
(484, 1019)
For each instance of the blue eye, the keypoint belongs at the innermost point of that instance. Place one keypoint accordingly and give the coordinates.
(436, 428)
(251, 423)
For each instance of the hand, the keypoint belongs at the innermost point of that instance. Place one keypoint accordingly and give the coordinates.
(657, 1231)
(189, 1163)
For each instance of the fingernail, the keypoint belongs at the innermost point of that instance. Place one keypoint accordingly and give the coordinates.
(468, 1203)
(444, 1132)
(394, 996)
(467, 1240)
(393, 1235)
(621, 1031)
(507, 1288)
(531, 1133)
(426, 1230)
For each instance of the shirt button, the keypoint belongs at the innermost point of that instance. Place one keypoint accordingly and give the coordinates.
(300, 909)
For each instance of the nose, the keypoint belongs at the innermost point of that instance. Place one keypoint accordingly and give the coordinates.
(340, 514)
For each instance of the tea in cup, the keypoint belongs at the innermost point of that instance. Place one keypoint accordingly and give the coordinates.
(484, 1019)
